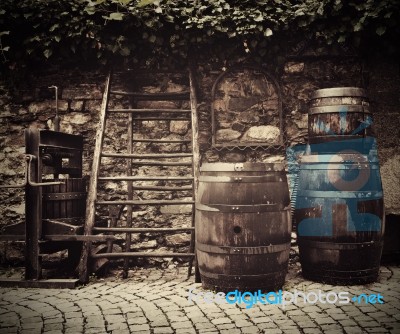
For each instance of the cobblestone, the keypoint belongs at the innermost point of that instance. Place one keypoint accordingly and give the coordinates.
(155, 301)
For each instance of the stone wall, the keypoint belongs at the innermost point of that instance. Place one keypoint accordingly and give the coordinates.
(80, 94)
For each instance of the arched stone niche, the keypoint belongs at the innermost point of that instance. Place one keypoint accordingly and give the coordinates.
(246, 109)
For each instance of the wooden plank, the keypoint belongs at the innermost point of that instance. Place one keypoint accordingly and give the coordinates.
(154, 96)
(148, 111)
(145, 156)
(145, 178)
(161, 141)
(140, 254)
(61, 283)
(142, 230)
(196, 161)
(33, 209)
(12, 237)
(144, 202)
(67, 237)
(161, 118)
(164, 188)
(92, 190)
(129, 209)
(160, 163)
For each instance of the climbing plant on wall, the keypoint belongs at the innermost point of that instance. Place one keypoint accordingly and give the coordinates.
(38, 30)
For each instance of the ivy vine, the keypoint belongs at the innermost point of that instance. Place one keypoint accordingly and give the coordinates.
(147, 30)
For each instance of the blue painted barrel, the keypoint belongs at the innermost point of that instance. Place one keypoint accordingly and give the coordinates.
(340, 216)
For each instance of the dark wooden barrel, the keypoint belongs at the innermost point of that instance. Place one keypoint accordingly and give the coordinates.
(243, 226)
(340, 216)
(66, 200)
(340, 113)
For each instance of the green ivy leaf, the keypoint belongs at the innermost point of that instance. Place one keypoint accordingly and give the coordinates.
(47, 53)
(125, 52)
(380, 30)
(143, 3)
(268, 32)
(114, 16)
(358, 26)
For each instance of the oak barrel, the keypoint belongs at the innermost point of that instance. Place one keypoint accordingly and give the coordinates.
(340, 113)
(340, 216)
(243, 226)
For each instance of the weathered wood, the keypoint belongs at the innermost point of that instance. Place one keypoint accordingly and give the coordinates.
(195, 160)
(67, 237)
(145, 178)
(65, 200)
(164, 188)
(140, 254)
(161, 163)
(61, 283)
(146, 156)
(142, 230)
(161, 141)
(59, 227)
(129, 210)
(144, 202)
(148, 111)
(234, 245)
(33, 209)
(154, 96)
(92, 191)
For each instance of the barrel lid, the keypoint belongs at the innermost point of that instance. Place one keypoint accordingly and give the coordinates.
(338, 92)
(242, 167)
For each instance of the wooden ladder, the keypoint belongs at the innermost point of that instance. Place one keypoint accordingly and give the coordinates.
(163, 184)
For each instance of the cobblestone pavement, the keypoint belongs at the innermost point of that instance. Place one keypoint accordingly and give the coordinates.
(156, 301)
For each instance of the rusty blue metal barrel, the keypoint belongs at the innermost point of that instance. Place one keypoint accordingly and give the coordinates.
(243, 226)
(340, 216)
(341, 113)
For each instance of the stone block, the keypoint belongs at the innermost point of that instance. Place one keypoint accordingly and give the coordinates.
(263, 133)
(226, 135)
(48, 106)
(390, 173)
(176, 209)
(235, 157)
(76, 105)
(238, 127)
(242, 103)
(294, 67)
(83, 92)
(179, 127)
(177, 239)
(249, 117)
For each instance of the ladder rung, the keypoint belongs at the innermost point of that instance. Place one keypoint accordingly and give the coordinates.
(161, 119)
(145, 178)
(142, 230)
(146, 156)
(140, 254)
(161, 141)
(163, 188)
(154, 96)
(145, 202)
(161, 163)
(60, 237)
(147, 111)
